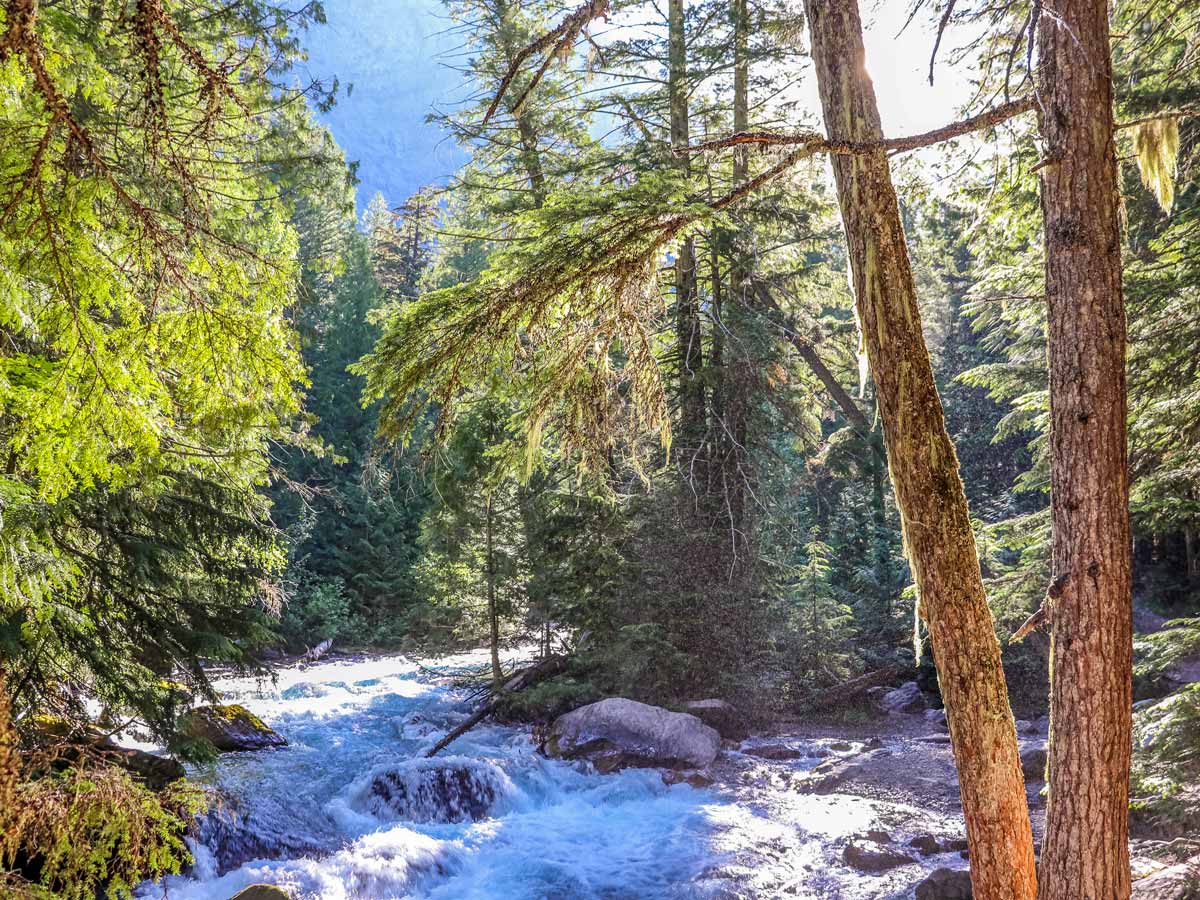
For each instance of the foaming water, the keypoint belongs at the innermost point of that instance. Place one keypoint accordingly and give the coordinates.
(351, 809)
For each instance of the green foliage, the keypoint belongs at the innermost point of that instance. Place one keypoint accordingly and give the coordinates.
(149, 167)
(352, 513)
(85, 830)
(317, 610)
(1166, 763)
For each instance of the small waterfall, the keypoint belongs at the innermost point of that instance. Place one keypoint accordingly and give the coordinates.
(231, 833)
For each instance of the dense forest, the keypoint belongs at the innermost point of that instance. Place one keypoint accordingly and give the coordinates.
(690, 380)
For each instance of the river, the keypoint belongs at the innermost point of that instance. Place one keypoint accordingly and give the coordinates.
(309, 817)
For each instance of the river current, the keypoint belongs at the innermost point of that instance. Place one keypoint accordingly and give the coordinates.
(310, 818)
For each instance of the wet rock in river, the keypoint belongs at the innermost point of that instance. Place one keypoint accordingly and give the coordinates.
(936, 717)
(262, 892)
(775, 752)
(874, 858)
(453, 789)
(617, 733)
(945, 884)
(230, 728)
(931, 845)
(232, 834)
(829, 775)
(695, 778)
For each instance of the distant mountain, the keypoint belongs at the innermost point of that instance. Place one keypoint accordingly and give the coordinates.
(388, 57)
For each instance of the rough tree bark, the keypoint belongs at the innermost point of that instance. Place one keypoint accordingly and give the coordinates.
(1085, 854)
(493, 612)
(687, 310)
(924, 470)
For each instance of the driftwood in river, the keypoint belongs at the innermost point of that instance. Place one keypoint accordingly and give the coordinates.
(525, 678)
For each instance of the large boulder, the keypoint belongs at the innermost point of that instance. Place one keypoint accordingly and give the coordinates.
(234, 831)
(450, 789)
(261, 892)
(945, 884)
(1033, 762)
(617, 733)
(908, 698)
(71, 740)
(1181, 882)
(230, 728)
(827, 777)
(778, 752)
(726, 718)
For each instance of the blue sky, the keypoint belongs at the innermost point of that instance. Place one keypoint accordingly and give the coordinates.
(389, 51)
(393, 53)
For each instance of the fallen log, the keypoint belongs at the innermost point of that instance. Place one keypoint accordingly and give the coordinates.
(525, 678)
(852, 688)
(315, 653)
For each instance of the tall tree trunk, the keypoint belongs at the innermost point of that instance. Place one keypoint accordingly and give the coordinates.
(687, 309)
(741, 84)
(493, 614)
(1191, 553)
(929, 493)
(739, 377)
(531, 159)
(1085, 854)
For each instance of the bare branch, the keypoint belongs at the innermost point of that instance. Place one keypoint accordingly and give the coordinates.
(945, 20)
(557, 42)
(811, 143)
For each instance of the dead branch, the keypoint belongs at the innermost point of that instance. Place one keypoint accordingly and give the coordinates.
(811, 143)
(557, 42)
(526, 678)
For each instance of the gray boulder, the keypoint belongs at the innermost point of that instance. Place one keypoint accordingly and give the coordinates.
(936, 717)
(726, 718)
(905, 699)
(1181, 882)
(945, 884)
(1033, 762)
(617, 733)
(261, 892)
(230, 728)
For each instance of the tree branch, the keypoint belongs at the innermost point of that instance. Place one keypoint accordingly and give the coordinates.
(811, 143)
(557, 42)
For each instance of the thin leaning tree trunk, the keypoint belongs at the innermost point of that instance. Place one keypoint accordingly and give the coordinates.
(1085, 853)
(692, 411)
(924, 469)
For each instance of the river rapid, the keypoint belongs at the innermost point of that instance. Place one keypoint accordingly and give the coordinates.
(312, 819)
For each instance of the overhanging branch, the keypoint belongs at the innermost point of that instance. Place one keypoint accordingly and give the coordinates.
(811, 143)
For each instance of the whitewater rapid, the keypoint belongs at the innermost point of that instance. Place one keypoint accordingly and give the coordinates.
(525, 827)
